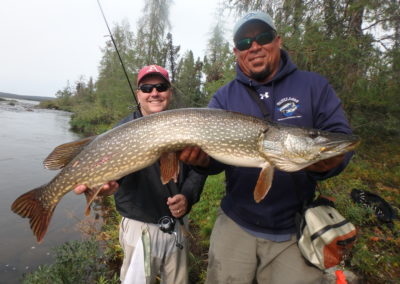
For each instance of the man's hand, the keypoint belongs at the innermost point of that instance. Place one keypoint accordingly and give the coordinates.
(194, 156)
(178, 205)
(108, 188)
(325, 165)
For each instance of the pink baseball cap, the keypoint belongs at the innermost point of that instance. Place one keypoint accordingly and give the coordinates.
(152, 69)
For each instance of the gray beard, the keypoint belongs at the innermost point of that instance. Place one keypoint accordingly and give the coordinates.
(261, 76)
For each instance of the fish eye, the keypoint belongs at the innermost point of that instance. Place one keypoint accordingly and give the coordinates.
(313, 134)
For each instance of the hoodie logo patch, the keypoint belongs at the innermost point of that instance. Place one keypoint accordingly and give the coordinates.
(264, 96)
(287, 107)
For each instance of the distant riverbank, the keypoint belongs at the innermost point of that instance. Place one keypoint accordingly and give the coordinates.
(22, 97)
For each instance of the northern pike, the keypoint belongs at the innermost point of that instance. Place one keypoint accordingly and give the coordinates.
(229, 137)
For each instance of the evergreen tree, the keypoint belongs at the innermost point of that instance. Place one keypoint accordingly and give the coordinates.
(84, 90)
(64, 96)
(112, 89)
(171, 57)
(242, 6)
(218, 62)
(152, 28)
(188, 83)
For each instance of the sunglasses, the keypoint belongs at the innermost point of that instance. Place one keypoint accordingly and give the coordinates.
(261, 39)
(148, 88)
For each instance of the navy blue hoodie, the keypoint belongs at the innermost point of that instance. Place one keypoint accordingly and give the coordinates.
(293, 97)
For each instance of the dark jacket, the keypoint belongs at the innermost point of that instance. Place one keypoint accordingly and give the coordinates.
(293, 97)
(141, 195)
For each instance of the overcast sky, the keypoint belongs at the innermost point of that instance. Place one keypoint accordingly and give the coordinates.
(46, 43)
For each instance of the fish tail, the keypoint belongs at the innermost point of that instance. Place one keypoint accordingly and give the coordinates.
(29, 206)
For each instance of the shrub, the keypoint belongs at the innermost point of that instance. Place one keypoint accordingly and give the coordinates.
(75, 262)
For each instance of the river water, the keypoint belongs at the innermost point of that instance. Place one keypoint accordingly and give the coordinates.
(27, 136)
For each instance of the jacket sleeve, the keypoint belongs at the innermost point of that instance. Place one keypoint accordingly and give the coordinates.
(329, 115)
(192, 185)
(214, 168)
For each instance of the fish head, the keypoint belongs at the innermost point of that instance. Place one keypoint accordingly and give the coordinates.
(290, 148)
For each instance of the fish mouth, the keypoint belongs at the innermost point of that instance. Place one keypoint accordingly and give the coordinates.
(341, 145)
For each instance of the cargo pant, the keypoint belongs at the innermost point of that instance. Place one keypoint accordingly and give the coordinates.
(237, 257)
(166, 259)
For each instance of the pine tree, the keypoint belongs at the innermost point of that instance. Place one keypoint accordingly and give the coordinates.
(113, 95)
(218, 62)
(171, 57)
(188, 83)
(152, 28)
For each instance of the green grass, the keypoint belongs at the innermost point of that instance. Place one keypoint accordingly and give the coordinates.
(201, 220)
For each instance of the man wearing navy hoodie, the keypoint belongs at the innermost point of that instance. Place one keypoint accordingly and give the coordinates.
(255, 242)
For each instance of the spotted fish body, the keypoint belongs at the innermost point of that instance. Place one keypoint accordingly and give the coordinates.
(228, 137)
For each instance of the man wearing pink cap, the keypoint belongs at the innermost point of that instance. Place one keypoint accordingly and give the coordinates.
(154, 89)
(152, 241)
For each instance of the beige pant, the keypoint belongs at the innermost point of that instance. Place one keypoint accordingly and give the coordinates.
(166, 259)
(238, 257)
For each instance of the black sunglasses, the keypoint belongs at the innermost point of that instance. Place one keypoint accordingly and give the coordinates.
(261, 39)
(148, 88)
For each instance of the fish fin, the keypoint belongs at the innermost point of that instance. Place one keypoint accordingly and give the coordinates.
(264, 183)
(29, 206)
(64, 153)
(90, 195)
(169, 167)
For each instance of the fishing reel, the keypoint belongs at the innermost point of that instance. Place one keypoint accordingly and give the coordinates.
(167, 225)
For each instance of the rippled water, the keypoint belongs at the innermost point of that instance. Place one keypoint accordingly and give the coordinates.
(27, 136)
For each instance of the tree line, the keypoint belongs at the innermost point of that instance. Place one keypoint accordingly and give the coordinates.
(354, 43)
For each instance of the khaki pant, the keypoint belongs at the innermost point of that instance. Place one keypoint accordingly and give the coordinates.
(166, 259)
(238, 257)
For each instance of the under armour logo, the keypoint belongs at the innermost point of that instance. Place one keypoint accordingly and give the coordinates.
(264, 96)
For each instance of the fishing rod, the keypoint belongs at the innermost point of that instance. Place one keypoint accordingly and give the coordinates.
(120, 59)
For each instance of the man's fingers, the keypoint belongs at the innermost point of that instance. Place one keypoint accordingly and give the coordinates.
(80, 189)
(177, 205)
(107, 189)
(203, 160)
(326, 165)
(176, 200)
(185, 154)
(194, 156)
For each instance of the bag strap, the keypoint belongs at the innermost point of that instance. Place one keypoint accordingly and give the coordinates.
(256, 97)
(318, 200)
